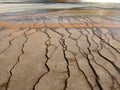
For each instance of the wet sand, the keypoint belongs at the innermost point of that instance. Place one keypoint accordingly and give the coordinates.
(67, 50)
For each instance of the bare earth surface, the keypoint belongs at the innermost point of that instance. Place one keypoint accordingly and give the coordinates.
(67, 50)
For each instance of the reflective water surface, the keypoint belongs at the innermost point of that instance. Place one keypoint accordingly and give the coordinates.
(102, 1)
(26, 7)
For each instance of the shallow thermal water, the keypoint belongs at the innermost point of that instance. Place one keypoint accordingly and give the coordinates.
(10, 8)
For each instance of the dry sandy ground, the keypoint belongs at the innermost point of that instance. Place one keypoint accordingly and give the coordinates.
(60, 52)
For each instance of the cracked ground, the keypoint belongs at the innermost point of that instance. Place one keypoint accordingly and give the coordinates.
(60, 51)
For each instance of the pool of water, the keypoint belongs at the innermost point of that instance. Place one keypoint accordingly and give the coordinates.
(101, 1)
(8, 10)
